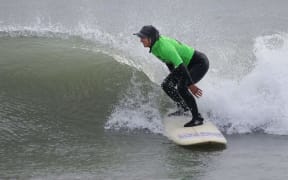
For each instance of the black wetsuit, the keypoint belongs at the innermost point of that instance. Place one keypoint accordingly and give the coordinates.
(175, 84)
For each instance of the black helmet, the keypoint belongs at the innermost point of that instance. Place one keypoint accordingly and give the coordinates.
(148, 31)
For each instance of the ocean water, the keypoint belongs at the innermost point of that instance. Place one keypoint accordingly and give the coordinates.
(80, 98)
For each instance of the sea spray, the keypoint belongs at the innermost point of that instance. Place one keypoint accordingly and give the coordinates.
(258, 101)
(138, 109)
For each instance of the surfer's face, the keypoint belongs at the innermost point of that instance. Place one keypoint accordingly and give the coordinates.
(146, 41)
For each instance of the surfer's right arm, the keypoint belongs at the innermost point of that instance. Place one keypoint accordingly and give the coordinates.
(178, 69)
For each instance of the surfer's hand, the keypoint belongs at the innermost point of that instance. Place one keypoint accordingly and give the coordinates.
(195, 90)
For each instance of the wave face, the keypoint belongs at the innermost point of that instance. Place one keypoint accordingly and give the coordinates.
(49, 86)
(64, 62)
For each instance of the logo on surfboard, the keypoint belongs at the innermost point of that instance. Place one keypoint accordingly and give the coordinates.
(201, 134)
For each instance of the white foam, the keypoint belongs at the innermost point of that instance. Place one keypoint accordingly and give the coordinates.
(259, 100)
(136, 111)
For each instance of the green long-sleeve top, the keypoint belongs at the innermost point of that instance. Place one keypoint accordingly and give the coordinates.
(171, 51)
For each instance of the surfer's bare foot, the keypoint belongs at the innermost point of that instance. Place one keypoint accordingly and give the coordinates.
(197, 121)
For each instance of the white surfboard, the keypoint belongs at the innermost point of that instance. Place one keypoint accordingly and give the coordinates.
(187, 136)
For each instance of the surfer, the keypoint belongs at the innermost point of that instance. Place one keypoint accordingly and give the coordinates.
(187, 67)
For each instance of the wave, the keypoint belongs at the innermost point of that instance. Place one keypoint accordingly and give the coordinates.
(50, 86)
(253, 102)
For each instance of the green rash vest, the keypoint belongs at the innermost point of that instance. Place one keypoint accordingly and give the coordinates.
(171, 51)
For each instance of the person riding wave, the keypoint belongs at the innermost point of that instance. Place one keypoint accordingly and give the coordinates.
(186, 65)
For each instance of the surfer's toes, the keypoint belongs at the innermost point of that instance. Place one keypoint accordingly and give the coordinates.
(195, 122)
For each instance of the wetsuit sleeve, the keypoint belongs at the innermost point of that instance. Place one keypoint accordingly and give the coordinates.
(182, 72)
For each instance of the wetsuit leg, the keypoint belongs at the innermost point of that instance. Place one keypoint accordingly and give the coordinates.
(169, 87)
(187, 97)
(198, 67)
